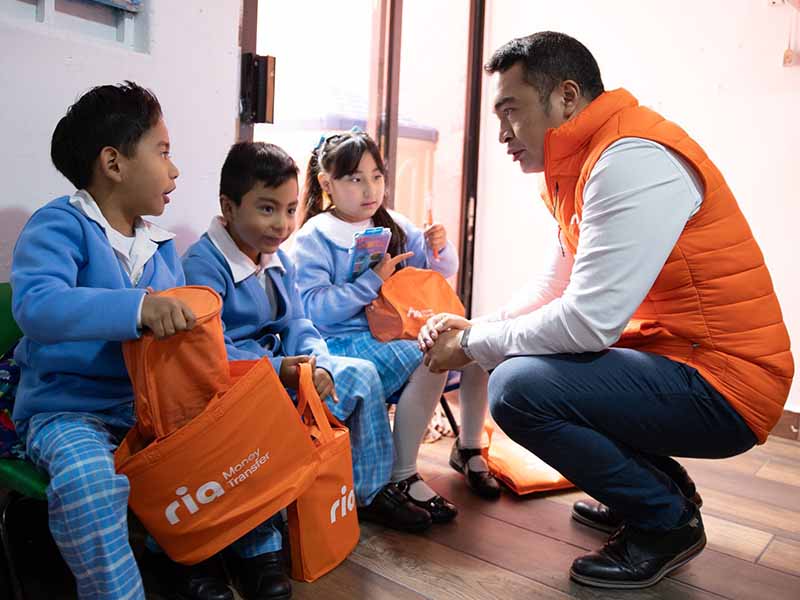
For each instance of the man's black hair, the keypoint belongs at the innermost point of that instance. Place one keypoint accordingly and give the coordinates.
(549, 58)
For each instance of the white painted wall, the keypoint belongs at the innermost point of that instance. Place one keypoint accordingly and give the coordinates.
(714, 67)
(192, 66)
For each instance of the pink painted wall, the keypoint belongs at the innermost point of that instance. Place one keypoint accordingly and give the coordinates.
(191, 63)
(715, 68)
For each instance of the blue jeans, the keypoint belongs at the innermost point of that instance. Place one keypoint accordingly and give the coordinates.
(610, 421)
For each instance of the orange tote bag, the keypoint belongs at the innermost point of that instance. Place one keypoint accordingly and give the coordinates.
(521, 471)
(243, 458)
(323, 522)
(175, 378)
(407, 299)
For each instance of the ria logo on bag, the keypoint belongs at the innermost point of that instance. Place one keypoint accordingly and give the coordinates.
(347, 504)
(424, 313)
(211, 490)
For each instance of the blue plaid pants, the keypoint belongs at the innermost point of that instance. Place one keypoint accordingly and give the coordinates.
(87, 500)
(395, 360)
(362, 406)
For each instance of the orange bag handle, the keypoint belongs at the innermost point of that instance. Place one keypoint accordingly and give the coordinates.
(302, 403)
(309, 399)
(303, 393)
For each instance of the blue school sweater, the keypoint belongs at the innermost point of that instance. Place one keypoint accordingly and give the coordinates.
(75, 305)
(335, 304)
(250, 330)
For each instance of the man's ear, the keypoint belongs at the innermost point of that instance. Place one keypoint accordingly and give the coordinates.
(570, 98)
(110, 163)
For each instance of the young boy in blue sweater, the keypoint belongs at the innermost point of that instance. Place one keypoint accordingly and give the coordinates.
(239, 257)
(82, 268)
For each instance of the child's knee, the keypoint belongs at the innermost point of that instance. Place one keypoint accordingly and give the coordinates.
(362, 377)
(373, 379)
(87, 477)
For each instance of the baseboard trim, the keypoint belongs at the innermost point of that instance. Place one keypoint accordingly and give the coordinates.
(788, 426)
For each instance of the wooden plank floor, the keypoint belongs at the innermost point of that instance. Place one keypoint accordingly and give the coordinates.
(522, 548)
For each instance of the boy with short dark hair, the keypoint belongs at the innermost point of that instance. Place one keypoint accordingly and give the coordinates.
(240, 257)
(82, 270)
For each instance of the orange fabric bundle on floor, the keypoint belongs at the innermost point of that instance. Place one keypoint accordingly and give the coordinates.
(407, 299)
(243, 458)
(323, 522)
(522, 471)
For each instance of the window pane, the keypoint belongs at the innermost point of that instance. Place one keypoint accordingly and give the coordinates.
(324, 65)
(433, 74)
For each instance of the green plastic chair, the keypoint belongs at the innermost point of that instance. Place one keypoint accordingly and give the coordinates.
(19, 479)
(9, 330)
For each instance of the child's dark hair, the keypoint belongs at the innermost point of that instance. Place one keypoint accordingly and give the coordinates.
(341, 154)
(107, 115)
(251, 162)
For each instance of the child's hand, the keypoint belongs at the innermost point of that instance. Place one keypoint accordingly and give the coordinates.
(436, 237)
(290, 374)
(386, 267)
(324, 384)
(429, 332)
(166, 316)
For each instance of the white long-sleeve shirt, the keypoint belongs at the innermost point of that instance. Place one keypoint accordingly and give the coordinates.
(637, 201)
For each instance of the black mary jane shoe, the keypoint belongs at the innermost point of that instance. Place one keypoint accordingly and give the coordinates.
(393, 508)
(483, 483)
(440, 510)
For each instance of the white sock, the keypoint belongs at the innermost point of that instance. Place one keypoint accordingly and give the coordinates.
(473, 399)
(421, 491)
(414, 411)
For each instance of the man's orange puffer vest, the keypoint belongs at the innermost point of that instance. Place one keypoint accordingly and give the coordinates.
(713, 305)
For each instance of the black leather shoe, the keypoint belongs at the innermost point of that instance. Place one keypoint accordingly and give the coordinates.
(392, 508)
(596, 515)
(599, 516)
(440, 510)
(482, 483)
(262, 577)
(200, 582)
(164, 578)
(675, 471)
(634, 559)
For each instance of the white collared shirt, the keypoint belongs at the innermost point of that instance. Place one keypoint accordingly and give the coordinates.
(340, 232)
(637, 201)
(242, 266)
(134, 251)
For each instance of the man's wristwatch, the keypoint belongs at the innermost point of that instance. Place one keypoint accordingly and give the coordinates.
(464, 342)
